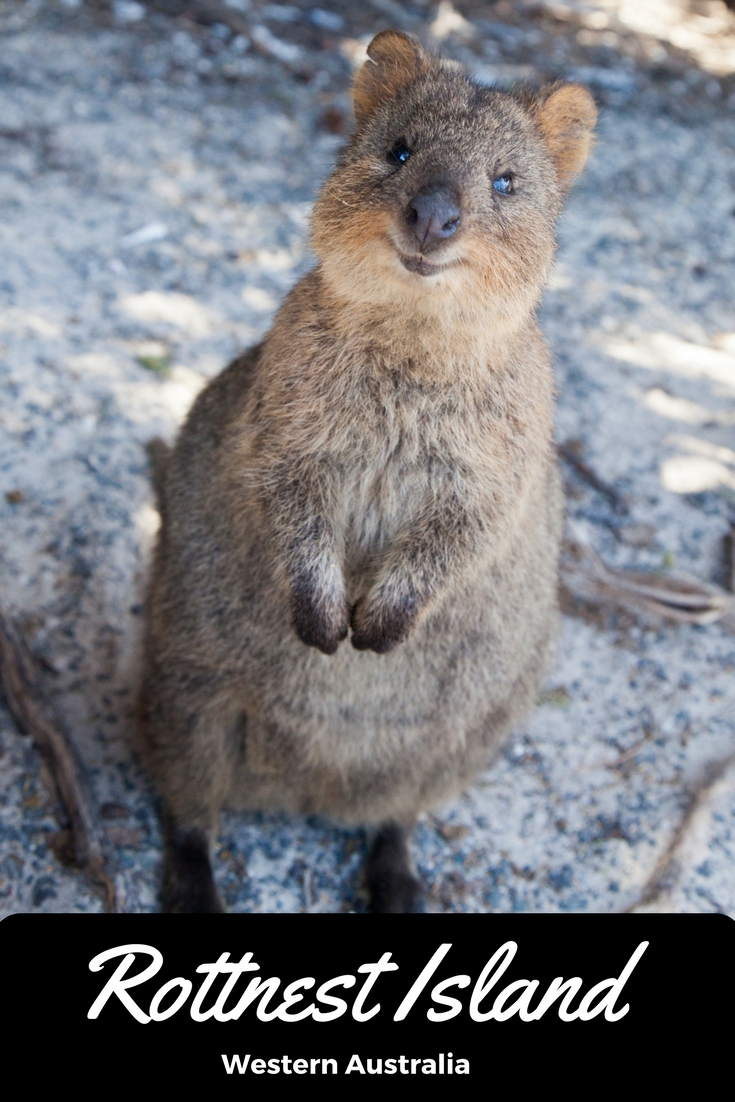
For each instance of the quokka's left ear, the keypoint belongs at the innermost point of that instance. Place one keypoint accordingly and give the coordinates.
(566, 114)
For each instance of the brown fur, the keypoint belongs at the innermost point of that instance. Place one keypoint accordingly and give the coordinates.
(380, 464)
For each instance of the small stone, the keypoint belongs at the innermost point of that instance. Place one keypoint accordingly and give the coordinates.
(154, 231)
(283, 51)
(327, 20)
(637, 535)
(113, 810)
(128, 11)
(280, 13)
(61, 844)
(44, 888)
(126, 837)
(557, 696)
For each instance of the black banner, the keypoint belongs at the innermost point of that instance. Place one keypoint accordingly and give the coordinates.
(446, 1002)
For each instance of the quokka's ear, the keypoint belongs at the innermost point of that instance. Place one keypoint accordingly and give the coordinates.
(566, 114)
(395, 59)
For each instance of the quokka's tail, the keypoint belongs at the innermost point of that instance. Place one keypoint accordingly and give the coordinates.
(159, 454)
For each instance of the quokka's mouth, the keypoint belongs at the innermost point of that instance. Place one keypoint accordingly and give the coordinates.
(421, 267)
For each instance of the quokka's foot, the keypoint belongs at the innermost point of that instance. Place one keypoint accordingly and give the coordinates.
(188, 884)
(392, 886)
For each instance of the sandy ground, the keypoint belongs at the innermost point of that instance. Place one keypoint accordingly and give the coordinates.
(156, 179)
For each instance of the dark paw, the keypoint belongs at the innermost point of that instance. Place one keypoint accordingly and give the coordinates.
(381, 633)
(319, 636)
(188, 885)
(377, 641)
(392, 886)
(313, 627)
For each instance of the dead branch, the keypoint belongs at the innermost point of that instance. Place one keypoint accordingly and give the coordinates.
(209, 12)
(729, 549)
(20, 685)
(666, 868)
(569, 452)
(652, 598)
(205, 12)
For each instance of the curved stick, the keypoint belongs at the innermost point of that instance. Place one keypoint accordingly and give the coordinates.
(20, 686)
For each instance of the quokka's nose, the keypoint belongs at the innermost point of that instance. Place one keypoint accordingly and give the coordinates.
(433, 216)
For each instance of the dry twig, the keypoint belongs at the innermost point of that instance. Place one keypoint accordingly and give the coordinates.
(653, 598)
(19, 680)
(667, 868)
(730, 559)
(209, 12)
(205, 12)
(570, 453)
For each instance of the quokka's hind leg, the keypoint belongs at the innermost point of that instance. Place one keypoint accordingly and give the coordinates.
(188, 884)
(190, 745)
(392, 886)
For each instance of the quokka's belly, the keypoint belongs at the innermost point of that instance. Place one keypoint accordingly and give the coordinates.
(365, 737)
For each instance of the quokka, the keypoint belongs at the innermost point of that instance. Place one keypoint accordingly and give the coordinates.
(353, 596)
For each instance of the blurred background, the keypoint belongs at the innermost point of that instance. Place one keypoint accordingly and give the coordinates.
(158, 163)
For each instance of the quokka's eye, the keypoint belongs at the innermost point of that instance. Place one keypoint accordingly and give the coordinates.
(399, 154)
(503, 184)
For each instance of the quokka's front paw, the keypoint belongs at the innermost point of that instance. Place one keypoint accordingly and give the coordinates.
(319, 624)
(381, 627)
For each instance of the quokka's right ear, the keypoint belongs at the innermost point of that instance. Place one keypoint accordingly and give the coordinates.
(567, 115)
(395, 60)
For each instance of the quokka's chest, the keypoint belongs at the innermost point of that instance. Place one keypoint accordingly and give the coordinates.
(402, 489)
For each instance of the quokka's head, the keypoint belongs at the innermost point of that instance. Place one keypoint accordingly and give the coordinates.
(448, 190)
